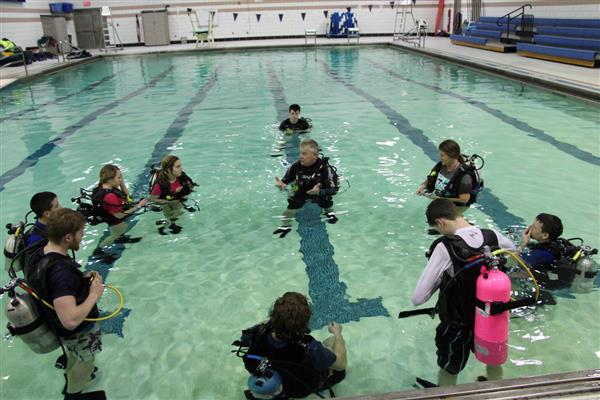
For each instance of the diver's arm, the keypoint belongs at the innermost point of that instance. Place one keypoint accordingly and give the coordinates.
(72, 315)
(462, 198)
(338, 348)
(422, 188)
(431, 278)
(131, 210)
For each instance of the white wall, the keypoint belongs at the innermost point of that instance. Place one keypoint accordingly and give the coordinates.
(21, 23)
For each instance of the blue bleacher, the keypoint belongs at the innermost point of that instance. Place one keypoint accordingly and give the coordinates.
(584, 55)
(575, 43)
(563, 31)
(567, 40)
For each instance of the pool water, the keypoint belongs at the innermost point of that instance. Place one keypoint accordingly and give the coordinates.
(379, 114)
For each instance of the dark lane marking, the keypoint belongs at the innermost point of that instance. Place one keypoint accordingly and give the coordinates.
(539, 134)
(328, 294)
(493, 206)
(47, 147)
(140, 189)
(58, 99)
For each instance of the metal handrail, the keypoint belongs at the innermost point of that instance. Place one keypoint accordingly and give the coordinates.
(509, 18)
(8, 64)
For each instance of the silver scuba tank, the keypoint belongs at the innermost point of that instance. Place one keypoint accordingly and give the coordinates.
(26, 323)
(11, 248)
(587, 269)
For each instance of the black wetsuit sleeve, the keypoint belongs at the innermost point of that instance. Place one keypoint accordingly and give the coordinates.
(290, 175)
(303, 125)
(285, 124)
(327, 184)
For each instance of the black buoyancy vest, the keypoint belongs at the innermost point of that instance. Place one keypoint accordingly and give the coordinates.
(35, 229)
(299, 379)
(457, 293)
(453, 185)
(35, 271)
(561, 272)
(324, 173)
(165, 189)
(98, 195)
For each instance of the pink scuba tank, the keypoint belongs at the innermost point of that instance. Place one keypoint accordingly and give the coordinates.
(491, 331)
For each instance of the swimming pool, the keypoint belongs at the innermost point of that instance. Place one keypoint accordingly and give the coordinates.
(379, 114)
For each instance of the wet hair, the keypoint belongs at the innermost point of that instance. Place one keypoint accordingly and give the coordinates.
(551, 224)
(441, 208)
(289, 316)
(294, 107)
(166, 166)
(41, 202)
(314, 146)
(452, 149)
(62, 222)
(108, 172)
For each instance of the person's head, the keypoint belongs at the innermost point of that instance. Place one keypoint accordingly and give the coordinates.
(294, 112)
(309, 152)
(65, 228)
(289, 316)
(171, 166)
(110, 175)
(450, 152)
(42, 204)
(442, 215)
(546, 227)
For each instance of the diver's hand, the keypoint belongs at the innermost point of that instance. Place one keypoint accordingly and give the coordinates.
(142, 203)
(525, 237)
(179, 189)
(429, 195)
(96, 286)
(335, 328)
(421, 190)
(315, 190)
(279, 183)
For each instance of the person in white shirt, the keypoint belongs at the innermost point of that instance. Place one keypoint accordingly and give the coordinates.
(444, 271)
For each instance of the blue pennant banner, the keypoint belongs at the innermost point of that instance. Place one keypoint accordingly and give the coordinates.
(303, 15)
(257, 17)
(326, 13)
(280, 17)
(235, 15)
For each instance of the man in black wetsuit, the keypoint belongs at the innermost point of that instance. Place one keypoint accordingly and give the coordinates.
(313, 179)
(294, 122)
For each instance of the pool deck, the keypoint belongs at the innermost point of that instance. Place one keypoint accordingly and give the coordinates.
(561, 78)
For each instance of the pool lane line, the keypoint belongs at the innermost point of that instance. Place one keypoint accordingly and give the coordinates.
(490, 204)
(50, 145)
(327, 292)
(536, 133)
(36, 107)
(140, 189)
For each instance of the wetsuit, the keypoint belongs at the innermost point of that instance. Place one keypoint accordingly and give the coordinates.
(301, 125)
(306, 178)
(36, 233)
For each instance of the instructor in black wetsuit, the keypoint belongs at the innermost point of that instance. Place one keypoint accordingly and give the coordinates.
(313, 179)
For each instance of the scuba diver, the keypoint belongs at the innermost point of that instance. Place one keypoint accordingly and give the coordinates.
(446, 271)
(169, 186)
(284, 360)
(454, 177)
(41, 204)
(313, 179)
(57, 280)
(295, 122)
(555, 261)
(111, 201)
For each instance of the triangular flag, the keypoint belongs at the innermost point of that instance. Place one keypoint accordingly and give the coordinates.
(326, 13)
(235, 16)
(349, 9)
(257, 17)
(280, 17)
(303, 15)
(370, 7)
(392, 4)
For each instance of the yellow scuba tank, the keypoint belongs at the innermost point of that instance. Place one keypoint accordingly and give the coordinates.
(24, 321)
(13, 246)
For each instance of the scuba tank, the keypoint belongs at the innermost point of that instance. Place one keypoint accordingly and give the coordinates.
(491, 331)
(586, 270)
(26, 322)
(13, 246)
